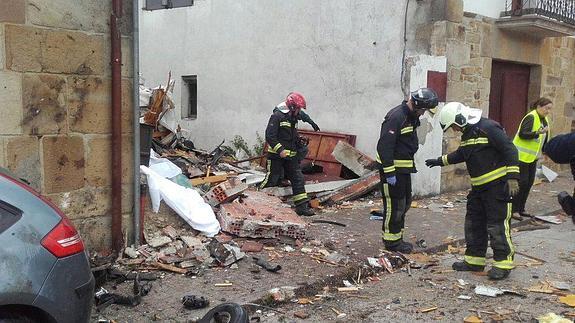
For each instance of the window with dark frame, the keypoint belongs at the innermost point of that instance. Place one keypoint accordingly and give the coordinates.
(190, 97)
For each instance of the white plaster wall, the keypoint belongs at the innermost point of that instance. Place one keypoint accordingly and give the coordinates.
(427, 180)
(489, 8)
(344, 56)
(249, 54)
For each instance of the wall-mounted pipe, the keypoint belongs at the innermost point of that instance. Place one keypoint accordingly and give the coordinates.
(116, 42)
(136, 123)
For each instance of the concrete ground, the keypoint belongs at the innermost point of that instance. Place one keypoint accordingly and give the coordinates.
(396, 297)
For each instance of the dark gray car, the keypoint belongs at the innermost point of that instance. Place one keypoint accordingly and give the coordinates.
(44, 271)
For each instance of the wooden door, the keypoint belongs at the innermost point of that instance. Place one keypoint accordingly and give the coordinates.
(508, 97)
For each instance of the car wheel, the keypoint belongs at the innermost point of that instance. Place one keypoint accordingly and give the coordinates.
(226, 313)
(17, 318)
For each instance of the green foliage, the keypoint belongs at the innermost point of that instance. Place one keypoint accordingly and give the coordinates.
(259, 146)
(238, 145)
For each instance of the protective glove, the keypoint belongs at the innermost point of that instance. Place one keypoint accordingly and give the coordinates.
(512, 187)
(433, 162)
(391, 180)
(314, 126)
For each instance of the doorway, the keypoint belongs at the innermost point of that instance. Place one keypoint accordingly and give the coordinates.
(508, 98)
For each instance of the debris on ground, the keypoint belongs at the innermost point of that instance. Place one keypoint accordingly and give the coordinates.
(552, 318)
(266, 265)
(193, 302)
(282, 294)
(568, 300)
(494, 291)
(472, 319)
(140, 289)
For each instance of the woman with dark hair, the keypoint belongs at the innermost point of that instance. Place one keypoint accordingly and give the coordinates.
(529, 140)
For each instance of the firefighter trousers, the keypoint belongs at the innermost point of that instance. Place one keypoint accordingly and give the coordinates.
(396, 202)
(488, 218)
(291, 168)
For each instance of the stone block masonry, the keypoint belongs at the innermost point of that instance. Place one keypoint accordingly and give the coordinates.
(471, 44)
(55, 98)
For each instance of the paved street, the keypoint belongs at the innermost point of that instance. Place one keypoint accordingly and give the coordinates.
(396, 297)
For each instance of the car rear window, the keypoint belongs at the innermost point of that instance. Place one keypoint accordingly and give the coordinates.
(9, 215)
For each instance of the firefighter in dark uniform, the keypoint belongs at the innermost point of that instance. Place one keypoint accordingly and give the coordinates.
(561, 150)
(493, 165)
(282, 138)
(301, 145)
(396, 147)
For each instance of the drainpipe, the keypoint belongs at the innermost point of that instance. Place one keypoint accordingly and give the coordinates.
(136, 107)
(116, 40)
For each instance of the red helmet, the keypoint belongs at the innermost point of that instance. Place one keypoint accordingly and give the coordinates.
(295, 100)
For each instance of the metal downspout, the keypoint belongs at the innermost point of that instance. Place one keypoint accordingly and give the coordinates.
(136, 124)
(116, 44)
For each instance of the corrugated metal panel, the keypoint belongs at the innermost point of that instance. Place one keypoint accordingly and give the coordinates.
(321, 145)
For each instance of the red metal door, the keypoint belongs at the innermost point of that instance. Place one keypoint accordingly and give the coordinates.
(508, 97)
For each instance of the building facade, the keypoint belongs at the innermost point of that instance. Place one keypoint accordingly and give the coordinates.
(354, 61)
(55, 89)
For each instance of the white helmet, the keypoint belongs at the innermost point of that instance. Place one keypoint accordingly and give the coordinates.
(455, 113)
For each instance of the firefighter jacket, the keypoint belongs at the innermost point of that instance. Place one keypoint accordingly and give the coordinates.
(398, 141)
(561, 149)
(488, 153)
(281, 134)
(301, 115)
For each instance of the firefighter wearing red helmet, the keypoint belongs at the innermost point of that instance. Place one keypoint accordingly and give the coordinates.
(282, 138)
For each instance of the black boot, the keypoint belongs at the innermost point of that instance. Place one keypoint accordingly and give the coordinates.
(401, 246)
(304, 209)
(567, 203)
(464, 266)
(497, 273)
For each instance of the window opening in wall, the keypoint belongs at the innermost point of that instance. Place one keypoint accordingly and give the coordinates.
(190, 97)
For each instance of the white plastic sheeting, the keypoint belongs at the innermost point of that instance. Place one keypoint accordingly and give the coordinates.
(163, 167)
(188, 203)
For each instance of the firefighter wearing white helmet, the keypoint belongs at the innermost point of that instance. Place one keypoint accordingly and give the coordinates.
(492, 163)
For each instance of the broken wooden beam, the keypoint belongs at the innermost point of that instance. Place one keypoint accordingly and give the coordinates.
(173, 269)
(352, 158)
(310, 188)
(209, 179)
(356, 189)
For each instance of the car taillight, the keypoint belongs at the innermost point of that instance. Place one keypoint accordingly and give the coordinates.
(63, 240)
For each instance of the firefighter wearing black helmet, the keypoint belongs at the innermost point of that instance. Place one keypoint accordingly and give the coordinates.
(396, 148)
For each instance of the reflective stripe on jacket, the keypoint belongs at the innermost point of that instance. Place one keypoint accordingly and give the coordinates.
(398, 141)
(488, 153)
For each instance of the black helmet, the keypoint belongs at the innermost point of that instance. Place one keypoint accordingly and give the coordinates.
(424, 98)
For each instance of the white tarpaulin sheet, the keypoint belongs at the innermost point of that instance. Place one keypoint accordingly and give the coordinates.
(188, 203)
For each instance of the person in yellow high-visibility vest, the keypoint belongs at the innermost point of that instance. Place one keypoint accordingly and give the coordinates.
(532, 134)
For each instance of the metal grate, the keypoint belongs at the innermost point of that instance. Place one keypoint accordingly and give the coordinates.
(560, 10)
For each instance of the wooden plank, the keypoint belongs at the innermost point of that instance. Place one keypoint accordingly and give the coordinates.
(173, 269)
(209, 179)
(358, 188)
(309, 188)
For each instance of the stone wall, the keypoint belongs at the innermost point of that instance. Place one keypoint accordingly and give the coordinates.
(471, 42)
(55, 94)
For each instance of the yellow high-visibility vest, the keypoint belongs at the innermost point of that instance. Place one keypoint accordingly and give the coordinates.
(529, 148)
